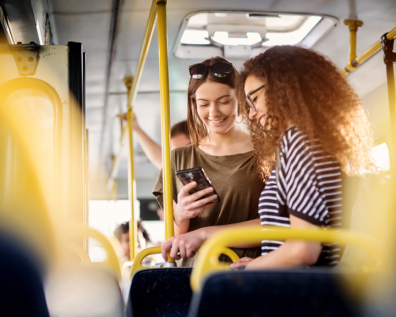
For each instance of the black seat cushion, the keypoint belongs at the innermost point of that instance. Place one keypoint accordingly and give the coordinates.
(21, 285)
(160, 292)
(273, 293)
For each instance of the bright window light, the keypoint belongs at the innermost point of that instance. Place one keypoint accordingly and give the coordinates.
(197, 37)
(380, 156)
(292, 38)
(224, 38)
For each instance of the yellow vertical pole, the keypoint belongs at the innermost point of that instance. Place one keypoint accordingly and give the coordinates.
(114, 188)
(131, 178)
(353, 27)
(165, 120)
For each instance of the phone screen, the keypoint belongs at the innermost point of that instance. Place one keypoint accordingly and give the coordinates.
(198, 175)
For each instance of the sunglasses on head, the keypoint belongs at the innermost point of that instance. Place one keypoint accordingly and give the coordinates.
(219, 69)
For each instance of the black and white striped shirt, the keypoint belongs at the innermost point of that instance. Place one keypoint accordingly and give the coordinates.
(309, 188)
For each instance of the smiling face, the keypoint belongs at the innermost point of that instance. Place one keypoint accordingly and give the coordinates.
(217, 106)
(261, 112)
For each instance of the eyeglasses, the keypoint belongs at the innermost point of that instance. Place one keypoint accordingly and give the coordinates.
(220, 70)
(249, 101)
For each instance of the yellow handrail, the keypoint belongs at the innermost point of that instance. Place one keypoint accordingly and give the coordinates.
(137, 266)
(165, 120)
(117, 160)
(366, 54)
(137, 263)
(148, 34)
(207, 261)
(83, 231)
(228, 252)
(353, 27)
(79, 251)
(132, 92)
(133, 229)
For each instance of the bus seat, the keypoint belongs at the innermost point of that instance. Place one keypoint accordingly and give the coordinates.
(21, 286)
(365, 203)
(350, 185)
(90, 291)
(160, 292)
(297, 292)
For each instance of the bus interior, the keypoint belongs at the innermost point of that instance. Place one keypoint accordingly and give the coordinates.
(76, 76)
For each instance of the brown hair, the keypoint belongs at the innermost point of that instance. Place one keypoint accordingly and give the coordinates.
(197, 129)
(306, 88)
(180, 128)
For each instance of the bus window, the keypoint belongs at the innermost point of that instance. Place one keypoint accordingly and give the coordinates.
(380, 155)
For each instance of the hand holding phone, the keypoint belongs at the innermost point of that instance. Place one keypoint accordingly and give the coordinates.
(197, 175)
(196, 195)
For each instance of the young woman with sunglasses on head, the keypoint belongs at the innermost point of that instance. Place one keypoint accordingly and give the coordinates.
(307, 126)
(225, 152)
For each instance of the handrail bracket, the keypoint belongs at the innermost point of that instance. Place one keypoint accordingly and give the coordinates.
(353, 27)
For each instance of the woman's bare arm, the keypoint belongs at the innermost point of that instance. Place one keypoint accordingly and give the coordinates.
(290, 254)
(152, 150)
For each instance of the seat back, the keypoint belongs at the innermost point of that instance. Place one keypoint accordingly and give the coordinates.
(89, 291)
(304, 292)
(160, 292)
(365, 210)
(21, 286)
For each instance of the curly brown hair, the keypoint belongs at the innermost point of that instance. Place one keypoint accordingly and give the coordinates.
(197, 128)
(304, 87)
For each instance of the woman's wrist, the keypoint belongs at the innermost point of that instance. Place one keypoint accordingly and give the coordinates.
(178, 216)
(137, 129)
(181, 221)
(206, 232)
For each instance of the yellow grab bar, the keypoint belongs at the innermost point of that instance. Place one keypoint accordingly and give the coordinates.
(137, 263)
(148, 34)
(133, 228)
(207, 261)
(165, 120)
(228, 252)
(83, 231)
(132, 92)
(366, 54)
(79, 250)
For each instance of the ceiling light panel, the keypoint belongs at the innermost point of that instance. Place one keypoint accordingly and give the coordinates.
(204, 33)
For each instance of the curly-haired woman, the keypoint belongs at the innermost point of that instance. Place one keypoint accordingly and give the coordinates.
(307, 126)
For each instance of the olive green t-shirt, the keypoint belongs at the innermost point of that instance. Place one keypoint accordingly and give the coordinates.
(235, 180)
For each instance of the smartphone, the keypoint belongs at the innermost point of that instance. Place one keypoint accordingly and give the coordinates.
(197, 175)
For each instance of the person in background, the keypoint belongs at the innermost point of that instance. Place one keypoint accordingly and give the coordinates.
(179, 137)
(122, 234)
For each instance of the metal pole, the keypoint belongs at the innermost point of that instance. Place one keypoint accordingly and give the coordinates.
(165, 120)
(353, 27)
(131, 179)
(389, 59)
(366, 54)
(148, 34)
(391, 93)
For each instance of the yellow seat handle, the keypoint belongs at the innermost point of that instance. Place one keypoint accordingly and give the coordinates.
(111, 260)
(207, 261)
(137, 263)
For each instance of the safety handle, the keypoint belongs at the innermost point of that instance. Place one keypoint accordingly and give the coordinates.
(207, 261)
